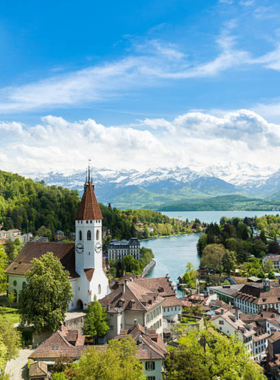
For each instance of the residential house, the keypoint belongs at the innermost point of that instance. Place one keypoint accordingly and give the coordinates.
(129, 301)
(151, 350)
(230, 324)
(63, 343)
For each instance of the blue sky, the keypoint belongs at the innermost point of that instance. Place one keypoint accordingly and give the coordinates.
(143, 72)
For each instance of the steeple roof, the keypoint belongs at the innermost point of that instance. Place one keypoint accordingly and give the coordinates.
(89, 208)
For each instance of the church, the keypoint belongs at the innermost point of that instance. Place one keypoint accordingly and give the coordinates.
(82, 259)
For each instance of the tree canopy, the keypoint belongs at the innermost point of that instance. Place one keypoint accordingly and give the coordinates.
(44, 301)
(95, 322)
(117, 362)
(207, 354)
(3, 265)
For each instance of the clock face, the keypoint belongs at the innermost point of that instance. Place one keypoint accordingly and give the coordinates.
(79, 248)
(98, 247)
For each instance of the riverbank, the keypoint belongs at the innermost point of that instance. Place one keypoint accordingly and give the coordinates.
(148, 268)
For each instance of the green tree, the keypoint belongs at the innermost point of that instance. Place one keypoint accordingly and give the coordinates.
(229, 261)
(117, 362)
(3, 356)
(268, 266)
(190, 276)
(263, 237)
(95, 323)
(3, 265)
(10, 337)
(11, 251)
(212, 257)
(216, 357)
(201, 244)
(58, 376)
(44, 301)
(271, 275)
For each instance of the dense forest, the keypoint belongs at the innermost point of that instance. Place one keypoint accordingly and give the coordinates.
(28, 205)
(240, 243)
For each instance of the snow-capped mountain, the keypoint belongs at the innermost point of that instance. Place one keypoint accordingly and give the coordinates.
(165, 181)
(242, 175)
(162, 185)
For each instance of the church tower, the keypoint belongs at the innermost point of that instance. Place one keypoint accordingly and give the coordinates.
(88, 247)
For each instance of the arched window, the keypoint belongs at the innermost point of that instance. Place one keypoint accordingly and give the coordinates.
(80, 235)
(89, 235)
(97, 235)
(99, 289)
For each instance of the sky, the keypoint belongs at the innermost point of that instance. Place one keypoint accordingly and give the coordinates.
(138, 84)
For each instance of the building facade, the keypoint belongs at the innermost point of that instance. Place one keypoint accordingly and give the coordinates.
(118, 249)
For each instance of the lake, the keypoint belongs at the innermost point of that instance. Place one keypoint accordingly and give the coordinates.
(173, 253)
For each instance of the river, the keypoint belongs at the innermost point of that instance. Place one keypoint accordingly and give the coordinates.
(173, 253)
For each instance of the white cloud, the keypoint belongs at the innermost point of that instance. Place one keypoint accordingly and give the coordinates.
(150, 63)
(193, 139)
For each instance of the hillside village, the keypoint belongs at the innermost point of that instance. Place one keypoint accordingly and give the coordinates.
(148, 310)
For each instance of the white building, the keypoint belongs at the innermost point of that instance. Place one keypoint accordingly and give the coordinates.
(118, 249)
(230, 324)
(275, 259)
(83, 259)
(252, 298)
(129, 301)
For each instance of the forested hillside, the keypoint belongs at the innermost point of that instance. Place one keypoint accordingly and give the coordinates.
(28, 205)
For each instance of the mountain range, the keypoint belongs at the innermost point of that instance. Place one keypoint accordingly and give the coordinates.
(163, 188)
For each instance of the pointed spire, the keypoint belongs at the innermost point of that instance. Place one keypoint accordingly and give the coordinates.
(89, 170)
(89, 208)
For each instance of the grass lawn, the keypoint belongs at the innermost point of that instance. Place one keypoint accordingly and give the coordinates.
(188, 320)
(10, 314)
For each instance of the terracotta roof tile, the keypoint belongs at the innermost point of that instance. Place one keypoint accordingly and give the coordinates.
(89, 208)
(151, 347)
(89, 273)
(38, 369)
(58, 345)
(34, 250)
(171, 301)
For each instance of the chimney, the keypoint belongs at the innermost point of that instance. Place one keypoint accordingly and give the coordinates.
(135, 322)
(236, 314)
(123, 288)
(222, 311)
(108, 307)
(146, 330)
(273, 315)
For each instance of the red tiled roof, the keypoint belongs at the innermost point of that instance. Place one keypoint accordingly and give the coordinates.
(38, 369)
(89, 208)
(89, 273)
(172, 301)
(135, 297)
(59, 345)
(65, 252)
(151, 347)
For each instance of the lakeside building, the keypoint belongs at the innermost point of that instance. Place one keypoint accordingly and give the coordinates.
(83, 259)
(118, 249)
(151, 350)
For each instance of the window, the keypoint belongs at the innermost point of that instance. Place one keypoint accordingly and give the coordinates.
(89, 235)
(150, 366)
(221, 322)
(23, 285)
(97, 235)
(151, 378)
(99, 289)
(15, 283)
(80, 235)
